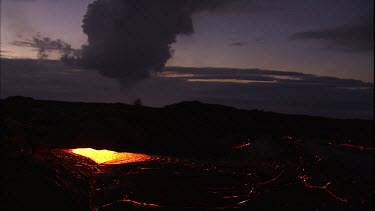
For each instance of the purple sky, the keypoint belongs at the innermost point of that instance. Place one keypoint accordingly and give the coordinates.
(310, 57)
(256, 36)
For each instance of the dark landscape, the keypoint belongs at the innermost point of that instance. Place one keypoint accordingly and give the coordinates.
(200, 156)
(115, 105)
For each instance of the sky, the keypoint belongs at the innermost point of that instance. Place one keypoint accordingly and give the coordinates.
(330, 41)
(256, 36)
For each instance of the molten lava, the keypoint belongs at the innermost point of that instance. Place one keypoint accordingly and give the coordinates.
(111, 157)
(243, 144)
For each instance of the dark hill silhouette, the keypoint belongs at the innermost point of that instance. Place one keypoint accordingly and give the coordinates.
(191, 128)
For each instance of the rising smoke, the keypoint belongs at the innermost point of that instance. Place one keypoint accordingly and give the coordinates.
(129, 39)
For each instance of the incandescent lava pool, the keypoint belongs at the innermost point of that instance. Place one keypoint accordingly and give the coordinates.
(266, 174)
(110, 157)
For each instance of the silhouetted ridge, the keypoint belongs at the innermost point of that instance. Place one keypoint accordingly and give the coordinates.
(191, 127)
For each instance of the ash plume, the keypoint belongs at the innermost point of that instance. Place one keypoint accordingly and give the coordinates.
(129, 39)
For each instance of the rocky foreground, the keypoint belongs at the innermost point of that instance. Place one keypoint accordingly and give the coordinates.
(234, 158)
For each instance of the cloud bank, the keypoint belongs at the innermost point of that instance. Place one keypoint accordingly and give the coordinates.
(355, 37)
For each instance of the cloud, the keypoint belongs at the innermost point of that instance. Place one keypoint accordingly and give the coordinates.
(129, 39)
(214, 71)
(45, 45)
(6, 54)
(233, 75)
(356, 37)
(4, 51)
(239, 43)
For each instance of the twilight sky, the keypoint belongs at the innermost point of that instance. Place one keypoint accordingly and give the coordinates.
(290, 52)
(258, 34)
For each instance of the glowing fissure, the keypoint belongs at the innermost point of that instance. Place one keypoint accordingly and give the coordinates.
(136, 203)
(110, 157)
(305, 179)
(271, 180)
(357, 147)
(242, 145)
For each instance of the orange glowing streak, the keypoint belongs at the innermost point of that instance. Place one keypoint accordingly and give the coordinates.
(271, 180)
(305, 179)
(243, 144)
(110, 157)
(357, 147)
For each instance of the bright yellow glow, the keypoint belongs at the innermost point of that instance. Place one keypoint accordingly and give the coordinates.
(110, 157)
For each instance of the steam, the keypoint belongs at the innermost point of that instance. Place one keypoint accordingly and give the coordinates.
(129, 39)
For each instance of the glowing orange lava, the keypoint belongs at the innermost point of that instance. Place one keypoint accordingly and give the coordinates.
(243, 144)
(305, 179)
(111, 157)
(357, 147)
(271, 180)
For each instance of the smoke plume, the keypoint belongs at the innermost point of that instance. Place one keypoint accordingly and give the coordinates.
(129, 39)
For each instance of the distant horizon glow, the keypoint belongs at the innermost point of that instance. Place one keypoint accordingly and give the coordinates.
(229, 80)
